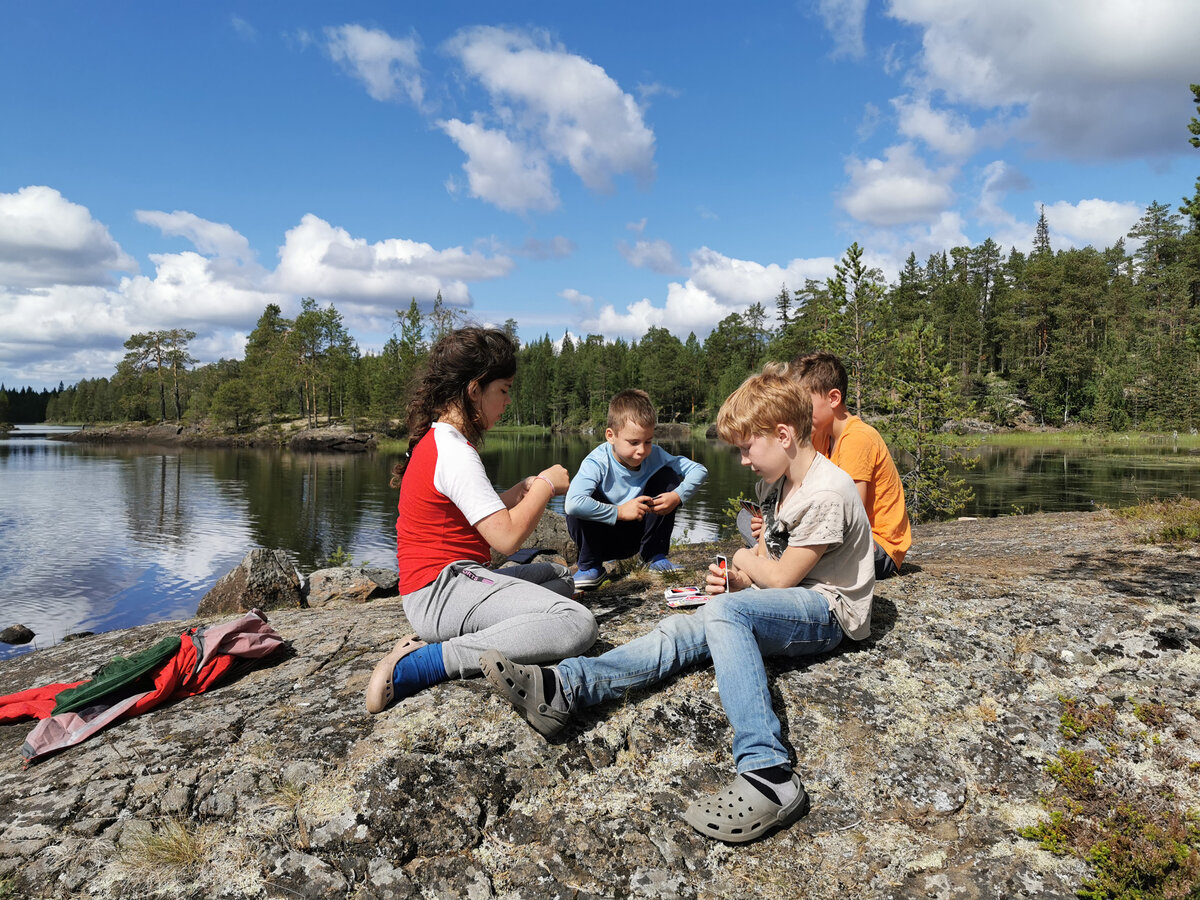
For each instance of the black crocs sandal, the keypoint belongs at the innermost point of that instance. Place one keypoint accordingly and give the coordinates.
(741, 813)
(522, 687)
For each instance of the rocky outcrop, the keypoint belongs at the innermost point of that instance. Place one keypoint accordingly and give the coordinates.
(923, 747)
(265, 579)
(550, 533)
(350, 584)
(332, 440)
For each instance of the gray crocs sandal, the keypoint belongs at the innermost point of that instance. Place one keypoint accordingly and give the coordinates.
(741, 813)
(522, 687)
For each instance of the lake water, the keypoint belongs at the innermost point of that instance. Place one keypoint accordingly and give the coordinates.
(94, 538)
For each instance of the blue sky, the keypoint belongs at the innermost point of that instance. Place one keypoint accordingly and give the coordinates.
(591, 168)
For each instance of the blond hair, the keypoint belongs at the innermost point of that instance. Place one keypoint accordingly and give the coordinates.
(763, 401)
(633, 406)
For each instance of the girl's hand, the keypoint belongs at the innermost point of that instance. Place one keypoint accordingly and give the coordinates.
(558, 477)
(756, 527)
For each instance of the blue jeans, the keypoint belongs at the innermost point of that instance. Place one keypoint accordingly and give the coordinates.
(735, 631)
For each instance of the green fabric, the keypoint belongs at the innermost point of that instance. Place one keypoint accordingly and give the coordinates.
(117, 674)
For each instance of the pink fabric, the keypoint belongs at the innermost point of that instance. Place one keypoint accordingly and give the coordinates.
(205, 656)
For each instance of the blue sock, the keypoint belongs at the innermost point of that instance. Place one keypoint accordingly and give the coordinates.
(417, 671)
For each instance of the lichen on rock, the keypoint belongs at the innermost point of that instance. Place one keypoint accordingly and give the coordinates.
(924, 748)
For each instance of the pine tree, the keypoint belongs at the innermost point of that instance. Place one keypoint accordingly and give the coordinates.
(1041, 238)
(1191, 205)
(858, 290)
(783, 307)
(923, 398)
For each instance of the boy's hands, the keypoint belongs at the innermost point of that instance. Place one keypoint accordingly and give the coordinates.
(635, 510)
(665, 503)
(756, 527)
(716, 579)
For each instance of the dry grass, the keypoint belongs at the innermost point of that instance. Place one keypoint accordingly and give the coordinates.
(176, 844)
(1165, 521)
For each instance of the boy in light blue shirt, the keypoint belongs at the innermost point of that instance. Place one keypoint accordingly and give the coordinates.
(623, 499)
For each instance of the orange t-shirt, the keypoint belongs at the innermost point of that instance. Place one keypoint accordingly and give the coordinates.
(861, 453)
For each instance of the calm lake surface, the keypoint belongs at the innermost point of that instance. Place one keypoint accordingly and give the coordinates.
(94, 538)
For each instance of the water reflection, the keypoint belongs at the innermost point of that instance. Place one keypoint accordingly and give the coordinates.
(1028, 479)
(101, 537)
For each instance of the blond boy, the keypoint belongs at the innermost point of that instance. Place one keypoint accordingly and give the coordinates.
(813, 570)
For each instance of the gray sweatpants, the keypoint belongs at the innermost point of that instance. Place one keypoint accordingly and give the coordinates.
(525, 612)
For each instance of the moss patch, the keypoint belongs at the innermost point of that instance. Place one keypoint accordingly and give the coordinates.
(1165, 521)
(1140, 841)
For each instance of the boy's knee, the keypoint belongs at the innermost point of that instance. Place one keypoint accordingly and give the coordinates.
(728, 608)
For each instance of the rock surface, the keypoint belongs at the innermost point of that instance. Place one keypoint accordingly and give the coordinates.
(551, 534)
(333, 440)
(265, 579)
(923, 748)
(350, 584)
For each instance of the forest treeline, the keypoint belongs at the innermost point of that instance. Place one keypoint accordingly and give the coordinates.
(1105, 338)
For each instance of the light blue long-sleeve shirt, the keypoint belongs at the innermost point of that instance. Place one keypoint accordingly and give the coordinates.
(619, 483)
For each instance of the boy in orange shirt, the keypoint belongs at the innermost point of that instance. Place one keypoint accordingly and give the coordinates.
(857, 449)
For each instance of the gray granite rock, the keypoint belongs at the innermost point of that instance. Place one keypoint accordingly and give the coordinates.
(332, 440)
(551, 534)
(349, 584)
(16, 634)
(923, 749)
(265, 579)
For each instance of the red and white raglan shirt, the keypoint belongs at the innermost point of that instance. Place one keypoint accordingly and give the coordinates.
(444, 493)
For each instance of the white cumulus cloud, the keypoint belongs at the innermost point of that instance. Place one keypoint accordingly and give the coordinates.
(719, 285)
(501, 171)
(656, 255)
(326, 261)
(1093, 79)
(46, 239)
(63, 317)
(898, 189)
(940, 129)
(550, 105)
(209, 237)
(1096, 222)
(388, 66)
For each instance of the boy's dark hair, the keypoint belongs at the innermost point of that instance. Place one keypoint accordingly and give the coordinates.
(772, 397)
(457, 360)
(633, 406)
(821, 372)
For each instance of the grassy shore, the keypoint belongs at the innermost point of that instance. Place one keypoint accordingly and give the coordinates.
(1077, 439)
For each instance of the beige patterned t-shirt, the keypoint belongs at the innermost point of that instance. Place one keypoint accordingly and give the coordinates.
(826, 509)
